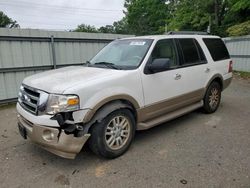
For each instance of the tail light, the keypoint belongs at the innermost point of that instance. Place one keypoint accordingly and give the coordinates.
(230, 68)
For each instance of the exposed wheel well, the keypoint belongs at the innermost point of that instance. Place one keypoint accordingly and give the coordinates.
(109, 107)
(133, 109)
(218, 79)
(126, 104)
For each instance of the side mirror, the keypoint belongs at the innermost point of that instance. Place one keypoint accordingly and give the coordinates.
(159, 65)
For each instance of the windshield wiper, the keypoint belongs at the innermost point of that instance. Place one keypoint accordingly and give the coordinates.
(107, 64)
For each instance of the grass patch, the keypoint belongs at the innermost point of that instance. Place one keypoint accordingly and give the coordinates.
(242, 74)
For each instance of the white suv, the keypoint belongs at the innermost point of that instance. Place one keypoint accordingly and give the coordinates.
(131, 84)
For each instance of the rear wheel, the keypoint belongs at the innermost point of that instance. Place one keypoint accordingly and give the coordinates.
(111, 137)
(212, 98)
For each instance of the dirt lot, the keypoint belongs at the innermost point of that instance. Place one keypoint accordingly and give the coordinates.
(196, 150)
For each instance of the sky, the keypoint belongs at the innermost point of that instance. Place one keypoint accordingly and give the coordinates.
(62, 14)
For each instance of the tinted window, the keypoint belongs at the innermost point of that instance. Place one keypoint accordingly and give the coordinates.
(165, 49)
(216, 48)
(189, 51)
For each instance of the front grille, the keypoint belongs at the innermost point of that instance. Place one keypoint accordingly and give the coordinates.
(29, 99)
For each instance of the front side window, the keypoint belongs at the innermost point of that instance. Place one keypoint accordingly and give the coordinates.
(165, 49)
(122, 54)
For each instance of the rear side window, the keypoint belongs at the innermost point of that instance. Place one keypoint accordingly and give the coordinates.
(216, 48)
(190, 51)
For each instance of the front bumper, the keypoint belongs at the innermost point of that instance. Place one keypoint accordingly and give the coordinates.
(52, 139)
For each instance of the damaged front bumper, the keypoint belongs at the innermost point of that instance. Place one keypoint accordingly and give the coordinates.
(52, 139)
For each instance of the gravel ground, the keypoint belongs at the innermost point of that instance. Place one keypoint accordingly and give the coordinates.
(195, 150)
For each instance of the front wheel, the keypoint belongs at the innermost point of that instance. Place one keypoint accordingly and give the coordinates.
(212, 98)
(112, 137)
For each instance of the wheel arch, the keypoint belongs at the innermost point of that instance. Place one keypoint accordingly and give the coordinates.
(218, 78)
(108, 105)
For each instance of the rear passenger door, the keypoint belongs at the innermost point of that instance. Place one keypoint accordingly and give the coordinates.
(195, 68)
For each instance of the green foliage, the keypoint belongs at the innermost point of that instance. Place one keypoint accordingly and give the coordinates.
(121, 27)
(107, 29)
(86, 28)
(146, 16)
(239, 29)
(189, 15)
(239, 5)
(238, 12)
(5, 21)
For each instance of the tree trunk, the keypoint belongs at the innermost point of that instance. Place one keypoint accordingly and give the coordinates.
(216, 12)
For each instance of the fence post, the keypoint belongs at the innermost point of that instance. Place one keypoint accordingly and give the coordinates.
(53, 51)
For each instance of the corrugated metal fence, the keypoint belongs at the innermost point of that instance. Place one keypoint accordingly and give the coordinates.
(239, 50)
(24, 52)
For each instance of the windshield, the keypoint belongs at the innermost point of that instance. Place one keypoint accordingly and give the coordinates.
(122, 54)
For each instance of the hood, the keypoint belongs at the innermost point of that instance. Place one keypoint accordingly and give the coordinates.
(57, 81)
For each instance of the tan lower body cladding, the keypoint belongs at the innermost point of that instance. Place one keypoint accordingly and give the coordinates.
(152, 112)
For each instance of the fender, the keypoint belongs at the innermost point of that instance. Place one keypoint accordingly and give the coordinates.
(104, 111)
(216, 76)
(90, 114)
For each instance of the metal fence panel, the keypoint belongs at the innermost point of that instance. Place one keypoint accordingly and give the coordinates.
(24, 52)
(239, 49)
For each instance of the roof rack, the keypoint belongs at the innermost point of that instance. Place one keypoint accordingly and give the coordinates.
(187, 33)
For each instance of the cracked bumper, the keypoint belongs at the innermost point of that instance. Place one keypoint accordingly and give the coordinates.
(51, 138)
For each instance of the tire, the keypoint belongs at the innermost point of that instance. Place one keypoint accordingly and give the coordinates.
(212, 98)
(108, 139)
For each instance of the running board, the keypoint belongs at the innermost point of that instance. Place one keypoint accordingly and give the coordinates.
(169, 116)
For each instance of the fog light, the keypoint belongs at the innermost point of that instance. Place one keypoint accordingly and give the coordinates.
(48, 135)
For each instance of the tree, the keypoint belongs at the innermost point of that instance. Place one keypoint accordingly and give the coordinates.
(146, 16)
(239, 11)
(121, 27)
(86, 28)
(188, 15)
(239, 29)
(198, 14)
(107, 29)
(5, 21)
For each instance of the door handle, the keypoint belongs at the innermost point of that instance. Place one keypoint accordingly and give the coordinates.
(177, 76)
(207, 69)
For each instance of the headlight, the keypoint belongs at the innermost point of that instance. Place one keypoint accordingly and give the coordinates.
(62, 103)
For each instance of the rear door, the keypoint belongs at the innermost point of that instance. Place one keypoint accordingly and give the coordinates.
(195, 67)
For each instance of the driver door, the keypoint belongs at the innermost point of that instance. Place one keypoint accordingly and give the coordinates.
(163, 91)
